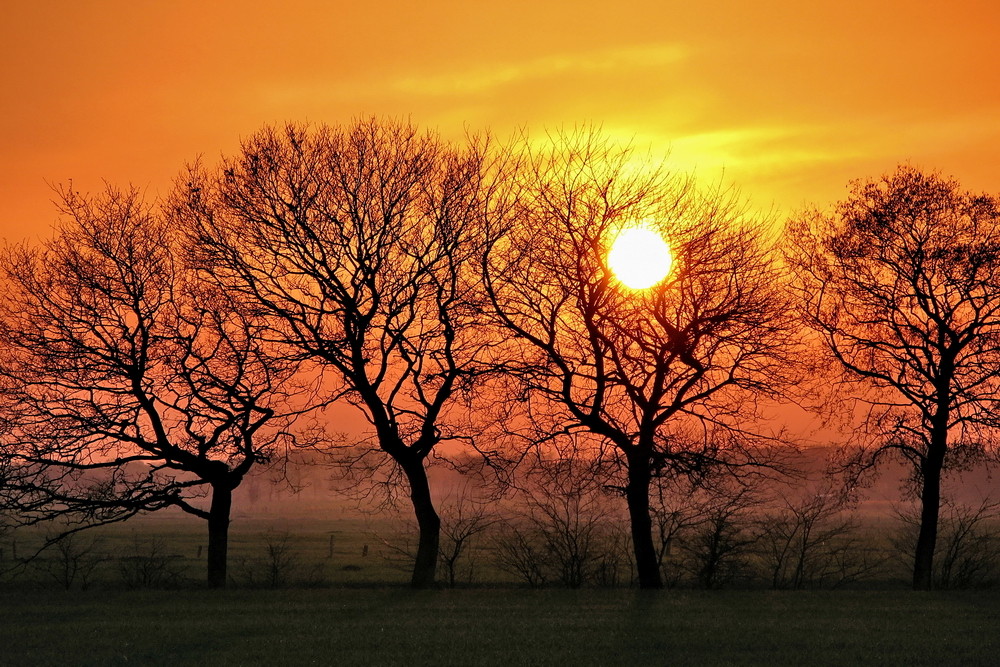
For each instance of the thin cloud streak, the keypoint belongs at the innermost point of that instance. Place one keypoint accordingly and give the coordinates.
(623, 63)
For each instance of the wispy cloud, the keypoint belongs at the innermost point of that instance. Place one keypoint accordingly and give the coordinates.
(487, 79)
(764, 145)
(751, 147)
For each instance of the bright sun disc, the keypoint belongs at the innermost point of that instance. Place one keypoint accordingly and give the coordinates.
(639, 258)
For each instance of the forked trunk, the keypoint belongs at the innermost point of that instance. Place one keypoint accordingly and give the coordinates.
(218, 534)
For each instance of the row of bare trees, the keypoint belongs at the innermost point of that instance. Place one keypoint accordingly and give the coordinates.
(458, 296)
(562, 529)
(573, 534)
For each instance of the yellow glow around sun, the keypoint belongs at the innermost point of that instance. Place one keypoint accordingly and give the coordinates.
(639, 257)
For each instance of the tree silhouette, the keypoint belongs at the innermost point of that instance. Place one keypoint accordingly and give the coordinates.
(128, 385)
(902, 283)
(359, 244)
(665, 379)
(465, 518)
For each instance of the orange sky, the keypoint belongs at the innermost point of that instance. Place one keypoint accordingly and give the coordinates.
(791, 100)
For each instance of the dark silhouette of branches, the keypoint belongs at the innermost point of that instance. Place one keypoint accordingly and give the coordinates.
(812, 539)
(464, 520)
(562, 527)
(968, 547)
(465, 516)
(360, 246)
(129, 385)
(145, 563)
(902, 283)
(668, 378)
(72, 561)
(719, 543)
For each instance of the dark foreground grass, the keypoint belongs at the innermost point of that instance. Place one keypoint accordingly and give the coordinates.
(493, 627)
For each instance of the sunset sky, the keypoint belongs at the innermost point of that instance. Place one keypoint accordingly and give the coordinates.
(790, 99)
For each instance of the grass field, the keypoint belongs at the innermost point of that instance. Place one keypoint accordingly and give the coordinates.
(358, 612)
(387, 626)
(341, 551)
(336, 551)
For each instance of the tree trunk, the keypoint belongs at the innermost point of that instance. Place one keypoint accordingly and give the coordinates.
(637, 497)
(930, 506)
(428, 524)
(218, 534)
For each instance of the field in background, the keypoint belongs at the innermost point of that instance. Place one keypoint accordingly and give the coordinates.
(167, 550)
(316, 538)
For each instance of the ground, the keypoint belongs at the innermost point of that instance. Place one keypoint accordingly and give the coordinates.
(386, 626)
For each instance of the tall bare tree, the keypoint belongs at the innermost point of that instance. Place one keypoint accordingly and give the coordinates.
(667, 379)
(902, 283)
(128, 385)
(360, 245)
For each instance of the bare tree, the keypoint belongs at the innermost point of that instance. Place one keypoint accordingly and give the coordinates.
(463, 519)
(568, 509)
(968, 549)
(676, 509)
(128, 385)
(719, 544)
(561, 528)
(811, 538)
(902, 284)
(666, 379)
(519, 552)
(72, 560)
(146, 563)
(277, 562)
(360, 244)
(971, 549)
